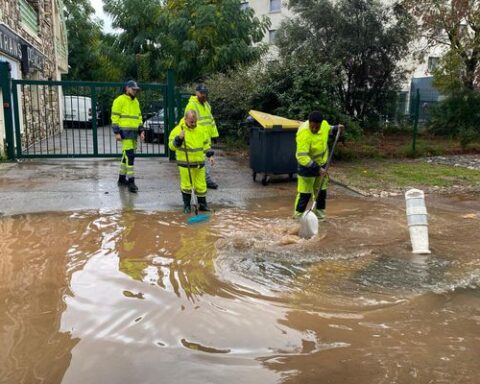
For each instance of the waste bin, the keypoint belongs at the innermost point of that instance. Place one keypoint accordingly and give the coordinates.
(272, 151)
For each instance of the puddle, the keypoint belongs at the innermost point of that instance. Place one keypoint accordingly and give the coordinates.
(127, 296)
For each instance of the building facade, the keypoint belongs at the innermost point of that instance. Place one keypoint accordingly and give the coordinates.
(420, 63)
(275, 10)
(33, 40)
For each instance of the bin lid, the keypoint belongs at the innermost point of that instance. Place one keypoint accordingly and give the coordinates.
(267, 120)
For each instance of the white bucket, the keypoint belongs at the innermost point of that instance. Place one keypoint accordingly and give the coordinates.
(417, 220)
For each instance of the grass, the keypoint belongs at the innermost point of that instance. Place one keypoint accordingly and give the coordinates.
(387, 174)
(378, 146)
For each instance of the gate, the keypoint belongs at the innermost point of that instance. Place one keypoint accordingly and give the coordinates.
(60, 119)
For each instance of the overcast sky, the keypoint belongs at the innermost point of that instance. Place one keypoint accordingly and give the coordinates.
(107, 23)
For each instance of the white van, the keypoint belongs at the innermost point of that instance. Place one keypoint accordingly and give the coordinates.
(77, 111)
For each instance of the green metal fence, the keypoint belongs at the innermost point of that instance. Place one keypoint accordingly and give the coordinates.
(51, 119)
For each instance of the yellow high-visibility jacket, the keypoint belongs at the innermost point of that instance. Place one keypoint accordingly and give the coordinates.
(126, 117)
(196, 143)
(204, 114)
(312, 148)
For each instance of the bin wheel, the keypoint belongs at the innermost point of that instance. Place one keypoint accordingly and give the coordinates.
(254, 176)
(265, 180)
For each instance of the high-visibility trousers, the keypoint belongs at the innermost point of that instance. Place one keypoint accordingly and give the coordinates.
(198, 180)
(128, 157)
(309, 187)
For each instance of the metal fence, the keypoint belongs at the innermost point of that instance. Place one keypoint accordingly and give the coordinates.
(73, 119)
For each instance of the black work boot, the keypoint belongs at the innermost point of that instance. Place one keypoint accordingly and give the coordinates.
(187, 198)
(131, 185)
(122, 181)
(202, 204)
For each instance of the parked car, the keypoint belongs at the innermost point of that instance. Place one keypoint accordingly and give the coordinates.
(155, 128)
(77, 111)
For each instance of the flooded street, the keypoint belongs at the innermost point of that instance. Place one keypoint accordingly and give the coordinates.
(125, 296)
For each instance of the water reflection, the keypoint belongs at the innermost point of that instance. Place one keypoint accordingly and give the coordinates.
(129, 296)
(34, 278)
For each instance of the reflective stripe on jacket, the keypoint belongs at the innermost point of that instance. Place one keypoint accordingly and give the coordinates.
(197, 145)
(126, 117)
(204, 114)
(312, 148)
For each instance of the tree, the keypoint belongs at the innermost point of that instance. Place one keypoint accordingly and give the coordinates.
(362, 40)
(89, 55)
(195, 37)
(454, 24)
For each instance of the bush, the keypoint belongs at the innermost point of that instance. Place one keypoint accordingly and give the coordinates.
(231, 97)
(457, 117)
(290, 90)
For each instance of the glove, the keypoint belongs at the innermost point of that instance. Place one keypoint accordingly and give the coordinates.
(314, 168)
(178, 141)
(210, 153)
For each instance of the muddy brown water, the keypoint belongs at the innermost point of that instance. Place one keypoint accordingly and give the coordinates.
(140, 297)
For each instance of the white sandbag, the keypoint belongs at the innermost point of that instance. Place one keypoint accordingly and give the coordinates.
(308, 225)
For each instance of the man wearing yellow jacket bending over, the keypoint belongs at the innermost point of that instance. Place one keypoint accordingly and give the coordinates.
(187, 139)
(312, 155)
(199, 104)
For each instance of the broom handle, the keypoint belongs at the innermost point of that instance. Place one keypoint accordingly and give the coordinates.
(190, 173)
(322, 177)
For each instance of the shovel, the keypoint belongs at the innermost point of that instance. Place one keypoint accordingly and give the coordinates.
(309, 221)
(197, 218)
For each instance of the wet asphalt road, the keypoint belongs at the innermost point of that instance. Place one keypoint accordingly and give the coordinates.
(49, 185)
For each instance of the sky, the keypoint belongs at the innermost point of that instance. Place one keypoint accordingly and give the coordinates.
(107, 23)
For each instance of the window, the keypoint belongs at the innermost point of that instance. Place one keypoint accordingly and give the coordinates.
(29, 17)
(275, 5)
(244, 5)
(271, 36)
(432, 63)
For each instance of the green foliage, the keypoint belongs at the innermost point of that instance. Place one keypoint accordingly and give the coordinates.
(90, 55)
(293, 89)
(197, 38)
(290, 90)
(361, 42)
(231, 96)
(452, 24)
(447, 77)
(457, 116)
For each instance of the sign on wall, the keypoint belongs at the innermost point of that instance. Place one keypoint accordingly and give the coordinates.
(16, 47)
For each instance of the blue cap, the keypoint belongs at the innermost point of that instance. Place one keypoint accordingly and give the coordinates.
(202, 88)
(131, 84)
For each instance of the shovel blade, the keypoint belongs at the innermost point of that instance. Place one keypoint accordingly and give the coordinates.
(308, 225)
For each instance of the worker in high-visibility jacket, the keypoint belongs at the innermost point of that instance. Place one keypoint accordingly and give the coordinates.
(199, 104)
(312, 155)
(192, 146)
(127, 126)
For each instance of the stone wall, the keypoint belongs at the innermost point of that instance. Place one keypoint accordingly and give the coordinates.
(40, 104)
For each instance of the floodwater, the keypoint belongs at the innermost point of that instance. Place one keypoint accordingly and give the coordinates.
(140, 297)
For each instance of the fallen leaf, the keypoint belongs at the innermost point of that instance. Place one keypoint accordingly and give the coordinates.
(470, 216)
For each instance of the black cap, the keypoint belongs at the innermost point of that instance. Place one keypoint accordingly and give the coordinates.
(202, 88)
(131, 84)
(315, 117)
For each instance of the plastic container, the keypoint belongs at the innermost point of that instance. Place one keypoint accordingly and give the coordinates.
(417, 219)
(272, 151)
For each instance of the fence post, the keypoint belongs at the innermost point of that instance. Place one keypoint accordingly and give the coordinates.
(416, 110)
(170, 110)
(7, 108)
(93, 93)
